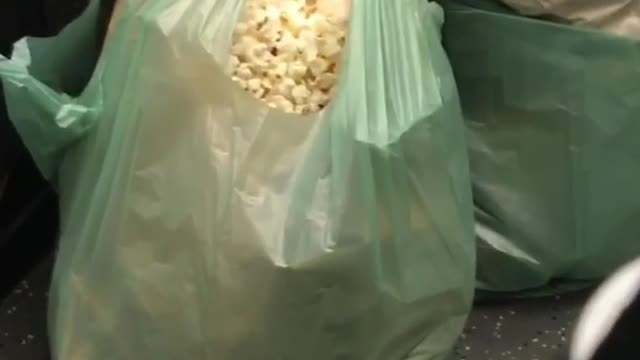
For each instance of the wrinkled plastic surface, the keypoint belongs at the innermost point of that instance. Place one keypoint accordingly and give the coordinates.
(28, 204)
(199, 224)
(551, 113)
(66, 61)
(620, 17)
(48, 66)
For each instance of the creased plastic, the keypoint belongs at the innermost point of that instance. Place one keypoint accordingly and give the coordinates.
(621, 17)
(551, 113)
(28, 204)
(200, 224)
(40, 75)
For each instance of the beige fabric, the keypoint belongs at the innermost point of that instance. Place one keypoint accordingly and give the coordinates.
(620, 17)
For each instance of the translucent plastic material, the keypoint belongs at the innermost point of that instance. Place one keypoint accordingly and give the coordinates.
(199, 224)
(552, 118)
(620, 17)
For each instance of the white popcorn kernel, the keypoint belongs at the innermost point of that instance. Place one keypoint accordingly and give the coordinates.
(326, 81)
(244, 72)
(241, 82)
(293, 18)
(243, 46)
(330, 47)
(270, 30)
(258, 16)
(283, 87)
(287, 46)
(297, 70)
(280, 70)
(309, 53)
(233, 64)
(313, 107)
(318, 97)
(337, 10)
(257, 52)
(300, 94)
(308, 45)
(318, 66)
(260, 93)
(286, 53)
(266, 84)
(269, 35)
(302, 109)
(320, 24)
(254, 85)
(280, 102)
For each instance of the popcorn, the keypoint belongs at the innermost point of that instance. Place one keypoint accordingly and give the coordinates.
(325, 81)
(318, 97)
(243, 71)
(330, 48)
(279, 71)
(242, 82)
(297, 70)
(300, 94)
(281, 102)
(287, 52)
(318, 66)
(283, 87)
(254, 85)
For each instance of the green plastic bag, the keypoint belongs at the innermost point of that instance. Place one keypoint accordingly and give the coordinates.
(66, 62)
(199, 224)
(43, 67)
(551, 113)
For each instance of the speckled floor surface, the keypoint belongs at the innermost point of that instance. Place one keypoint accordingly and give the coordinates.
(517, 330)
(23, 318)
(533, 329)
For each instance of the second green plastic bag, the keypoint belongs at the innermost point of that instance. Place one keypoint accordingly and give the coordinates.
(552, 114)
(199, 224)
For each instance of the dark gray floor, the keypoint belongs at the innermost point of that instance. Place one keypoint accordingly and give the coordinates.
(518, 330)
(23, 318)
(533, 329)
